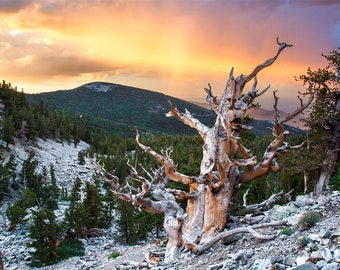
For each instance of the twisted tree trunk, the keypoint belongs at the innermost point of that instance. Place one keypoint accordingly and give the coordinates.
(212, 192)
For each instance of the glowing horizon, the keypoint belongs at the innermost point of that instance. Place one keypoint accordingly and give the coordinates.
(173, 47)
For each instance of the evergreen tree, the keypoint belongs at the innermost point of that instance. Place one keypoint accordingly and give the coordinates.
(127, 222)
(54, 124)
(66, 128)
(64, 194)
(81, 158)
(4, 183)
(28, 125)
(109, 203)
(334, 182)
(31, 180)
(76, 133)
(73, 214)
(50, 190)
(11, 166)
(46, 235)
(17, 212)
(22, 101)
(42, 126)
(324, 119)
(92, 205)
(8, 131)
(7, 176)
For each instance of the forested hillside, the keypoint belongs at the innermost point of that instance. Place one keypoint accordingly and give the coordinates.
(117, 110)
(27, 123)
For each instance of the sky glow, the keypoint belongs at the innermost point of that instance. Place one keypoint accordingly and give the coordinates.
(169, 46)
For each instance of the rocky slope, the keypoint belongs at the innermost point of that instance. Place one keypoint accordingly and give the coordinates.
(311, 247)
(316, 247)
(61, 155)
(64, 158)
(321, 250)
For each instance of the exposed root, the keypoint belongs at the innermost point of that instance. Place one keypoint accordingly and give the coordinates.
(199, 249)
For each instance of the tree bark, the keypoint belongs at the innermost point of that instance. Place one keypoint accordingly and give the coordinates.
(326, 172)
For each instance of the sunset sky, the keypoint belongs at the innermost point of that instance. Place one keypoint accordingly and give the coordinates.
(175, 47)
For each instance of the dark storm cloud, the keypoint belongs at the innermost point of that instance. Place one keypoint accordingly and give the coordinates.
(71, 65)
(10, 6)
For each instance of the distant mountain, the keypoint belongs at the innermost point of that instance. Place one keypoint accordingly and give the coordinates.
(267, 115)
(118, 109)
(262, 114)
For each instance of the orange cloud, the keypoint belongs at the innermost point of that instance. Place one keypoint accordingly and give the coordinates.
(176, 47)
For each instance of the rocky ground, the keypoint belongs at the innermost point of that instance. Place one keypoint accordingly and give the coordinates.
(321, 250)
(61, 155)
(311, 247)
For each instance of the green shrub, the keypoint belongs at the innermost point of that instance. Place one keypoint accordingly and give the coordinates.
(17, 212)
(67, 249)
(81, 157)
(286, 231)
(70, 248)
(114, 254)
(303, 241)
(307, 220)
(314, 247)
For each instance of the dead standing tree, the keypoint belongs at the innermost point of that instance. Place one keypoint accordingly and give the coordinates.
(211, 193)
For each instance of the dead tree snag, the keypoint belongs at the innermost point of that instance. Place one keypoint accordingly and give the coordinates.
(212, 192)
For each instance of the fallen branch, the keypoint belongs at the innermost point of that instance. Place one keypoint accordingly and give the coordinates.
(199, 249)
(91, 233)
(266, 205)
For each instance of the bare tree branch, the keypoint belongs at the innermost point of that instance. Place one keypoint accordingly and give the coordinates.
(181, 195)
(278, 145)
(254, 93)
(265, 205)
(211, 99)
(267, 63)
(163, 198)
(302, 106)
(188, 119)
(169, 166)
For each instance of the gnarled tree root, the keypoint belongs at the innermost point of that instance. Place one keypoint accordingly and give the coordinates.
(199, 249)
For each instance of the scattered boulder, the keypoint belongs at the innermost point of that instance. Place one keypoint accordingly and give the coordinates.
(307, 266)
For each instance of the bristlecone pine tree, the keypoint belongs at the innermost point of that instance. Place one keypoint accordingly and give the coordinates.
(210, 194)
(324, 119)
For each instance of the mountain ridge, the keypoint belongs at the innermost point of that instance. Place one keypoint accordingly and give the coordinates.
(119, 109)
